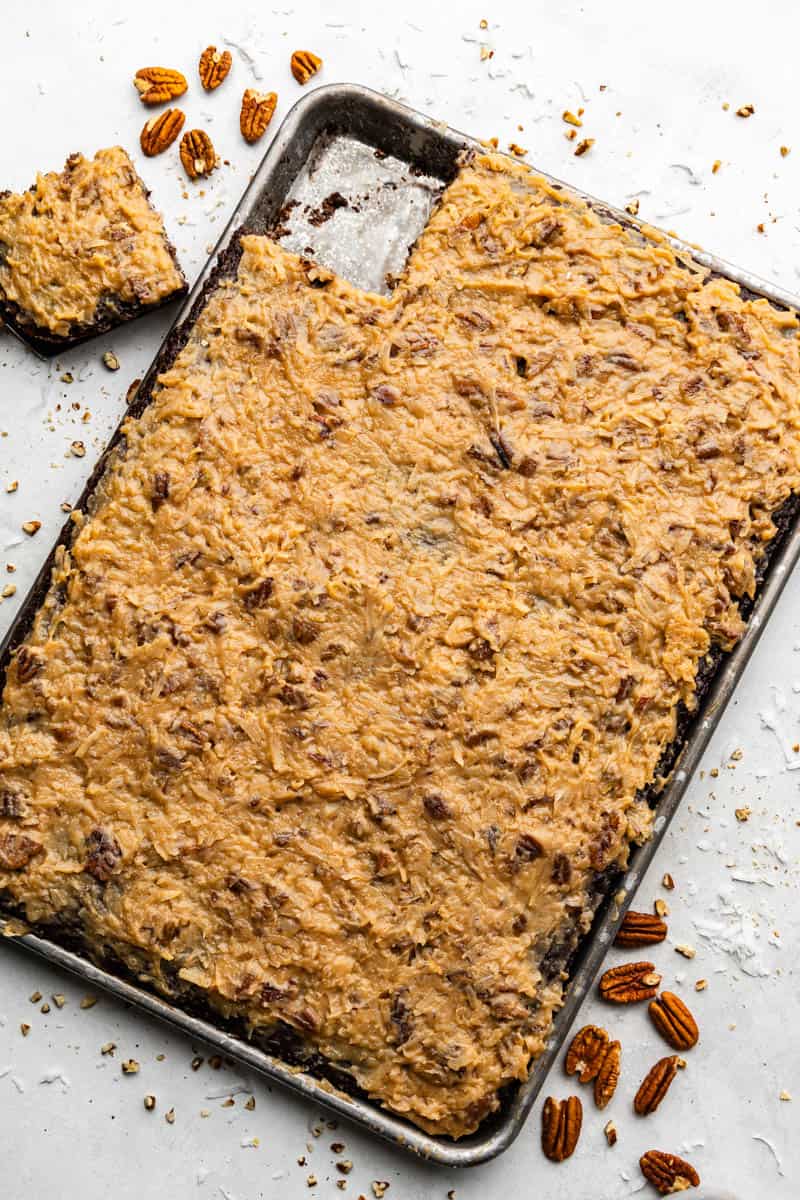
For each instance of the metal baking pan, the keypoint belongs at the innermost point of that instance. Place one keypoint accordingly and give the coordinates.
(391, 164)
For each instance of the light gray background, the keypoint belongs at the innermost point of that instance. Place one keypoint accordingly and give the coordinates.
(70, 1124)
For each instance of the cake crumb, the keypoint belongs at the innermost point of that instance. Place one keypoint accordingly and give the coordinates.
(583, 147)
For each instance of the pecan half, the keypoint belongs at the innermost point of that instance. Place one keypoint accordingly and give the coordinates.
(104, 854)
(160, 132)
(304, 64)
(258, 109)
(608, 1076)
(673, 1021)
(656, 1084)
(629, 983)
(640, 929)
(213, 67)
(197, 153)
(17, 850)
(667, 1172)
(586, 1052)
(155, 85)
(561, 1127)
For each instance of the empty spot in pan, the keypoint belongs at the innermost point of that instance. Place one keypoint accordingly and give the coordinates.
(357, 212)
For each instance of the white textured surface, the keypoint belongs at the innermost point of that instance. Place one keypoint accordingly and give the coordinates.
(70, 1123)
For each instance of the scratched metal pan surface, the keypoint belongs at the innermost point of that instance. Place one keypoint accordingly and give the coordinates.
(391, 164)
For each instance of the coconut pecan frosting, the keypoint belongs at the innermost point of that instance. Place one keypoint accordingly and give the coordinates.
(339, 706)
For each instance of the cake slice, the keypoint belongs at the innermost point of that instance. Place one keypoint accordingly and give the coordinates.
(82, 252)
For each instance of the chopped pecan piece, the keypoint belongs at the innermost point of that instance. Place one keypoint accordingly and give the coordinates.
(629, 983)
(656, 1084)
(303, 631)
(561, 1127)
(401, 1017)
(673, 1021)
(607, 1078)
(604, 841)
(528, 848)
(386, 394)
(213, 67)
(586, 1052)
(481, 650)
(257, 596)
(562, 869)
(104, 854)
(667, 1172)
(502, 448)
(28, 664)
(159, 491)
(545, 232)
(640, 929)
(304, 65)
(12, 803)
(294, 697)
(17, 850)
(436, 806)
